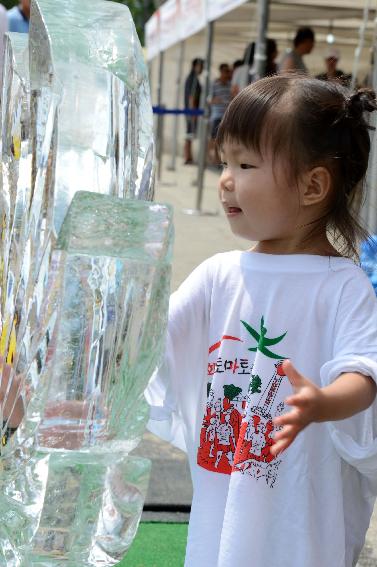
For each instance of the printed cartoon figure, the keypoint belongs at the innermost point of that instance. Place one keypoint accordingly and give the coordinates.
(211, 435)
(226, 442)
(258, 439)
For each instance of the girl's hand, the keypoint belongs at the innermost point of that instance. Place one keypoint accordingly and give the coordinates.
(10, 400)
(307, 404)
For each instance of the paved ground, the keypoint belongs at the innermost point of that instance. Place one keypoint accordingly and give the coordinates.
(197, 238)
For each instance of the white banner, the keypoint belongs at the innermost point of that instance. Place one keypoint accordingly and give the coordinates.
(152, 36)
(170, 24)
(177, 20)
(193, 17)
(217, 8)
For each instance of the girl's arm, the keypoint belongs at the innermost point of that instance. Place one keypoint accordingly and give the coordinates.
(349, 394)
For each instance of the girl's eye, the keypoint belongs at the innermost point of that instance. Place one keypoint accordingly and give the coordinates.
(223, 165)
(246, 166)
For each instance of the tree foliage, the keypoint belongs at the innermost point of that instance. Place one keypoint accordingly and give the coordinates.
(141, 11)
(9, 3)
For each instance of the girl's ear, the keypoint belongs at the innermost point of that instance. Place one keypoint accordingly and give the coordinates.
(316, 186)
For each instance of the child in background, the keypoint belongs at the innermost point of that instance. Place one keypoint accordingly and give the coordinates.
(270, 371)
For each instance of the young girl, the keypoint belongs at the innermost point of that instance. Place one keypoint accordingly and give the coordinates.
(271, 361)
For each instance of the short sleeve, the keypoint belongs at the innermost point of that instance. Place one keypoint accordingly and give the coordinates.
(175, 388)
(355, 350)
(236, 77)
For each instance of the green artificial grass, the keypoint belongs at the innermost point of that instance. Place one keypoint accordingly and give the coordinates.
(157, 545)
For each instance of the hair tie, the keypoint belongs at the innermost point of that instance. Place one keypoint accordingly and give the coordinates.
(363, 100)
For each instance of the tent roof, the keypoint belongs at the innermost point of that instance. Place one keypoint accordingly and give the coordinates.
(344, 16)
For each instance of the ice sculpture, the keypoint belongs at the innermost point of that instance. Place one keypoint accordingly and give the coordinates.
(85, 269)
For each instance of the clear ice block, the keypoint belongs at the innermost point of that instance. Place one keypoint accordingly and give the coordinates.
(15, 178)
(84, 283)
(109, 287)
(97, 524)
(87, 53)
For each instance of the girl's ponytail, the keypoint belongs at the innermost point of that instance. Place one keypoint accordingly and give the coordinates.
(364, 100)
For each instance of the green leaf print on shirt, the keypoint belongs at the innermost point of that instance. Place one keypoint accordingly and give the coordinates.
(263, 341)
(231, 391)
(255, 384)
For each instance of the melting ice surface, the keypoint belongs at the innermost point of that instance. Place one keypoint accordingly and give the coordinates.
(85, 268)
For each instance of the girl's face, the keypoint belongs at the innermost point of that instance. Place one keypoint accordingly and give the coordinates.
(258, 202)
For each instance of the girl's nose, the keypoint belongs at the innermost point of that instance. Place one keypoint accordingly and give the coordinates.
(226, 181)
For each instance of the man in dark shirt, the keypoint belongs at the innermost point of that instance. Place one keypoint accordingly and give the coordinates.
(192, 101)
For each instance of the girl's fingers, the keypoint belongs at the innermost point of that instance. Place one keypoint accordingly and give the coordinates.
(287, 431)
(280, 446)
(284, 438)
(292, 417)
(296, 379)
(298, 400)
(292, 374)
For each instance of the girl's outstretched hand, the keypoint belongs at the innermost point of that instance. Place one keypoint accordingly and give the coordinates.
(307, 403)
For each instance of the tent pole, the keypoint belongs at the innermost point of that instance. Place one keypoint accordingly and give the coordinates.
(260, 55)
(370, 214)
(178, 96)
(204, 121)
(360, 46)
(160, 118)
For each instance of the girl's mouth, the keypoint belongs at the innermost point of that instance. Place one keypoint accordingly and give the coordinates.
(232, 211)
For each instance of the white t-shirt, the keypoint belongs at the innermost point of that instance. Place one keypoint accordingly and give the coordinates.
(230, 325)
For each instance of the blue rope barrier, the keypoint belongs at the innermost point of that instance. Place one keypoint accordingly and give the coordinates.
(186, 111)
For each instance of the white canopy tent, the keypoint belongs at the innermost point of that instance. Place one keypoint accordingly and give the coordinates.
(178, 20)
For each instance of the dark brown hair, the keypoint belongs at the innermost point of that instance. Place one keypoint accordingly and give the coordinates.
(310, 123)
(302, 35)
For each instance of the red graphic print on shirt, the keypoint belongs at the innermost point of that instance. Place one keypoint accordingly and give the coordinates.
(237, 433)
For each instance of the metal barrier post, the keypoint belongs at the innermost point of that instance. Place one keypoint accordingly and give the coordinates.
(178, 97)
(369, 211)
(203, 125)
(160, 138)
(204, 122)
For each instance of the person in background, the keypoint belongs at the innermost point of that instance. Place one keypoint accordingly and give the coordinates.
(193, 90)
(303, 44)
(237, 63)
(332, 73)
(271, 66)
(368, 79)
(272, 53)
(240, 78)
(219, 99)
(18, 17)
(251, 76)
